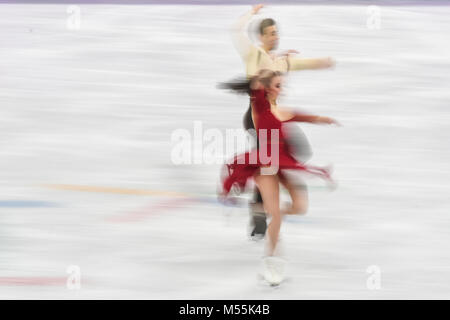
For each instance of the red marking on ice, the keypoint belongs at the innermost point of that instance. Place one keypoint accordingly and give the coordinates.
(147, 211)
(32, 281)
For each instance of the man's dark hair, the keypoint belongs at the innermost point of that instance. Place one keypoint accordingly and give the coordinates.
(264, 24)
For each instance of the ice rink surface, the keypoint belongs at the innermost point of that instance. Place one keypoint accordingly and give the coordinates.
(86, 180)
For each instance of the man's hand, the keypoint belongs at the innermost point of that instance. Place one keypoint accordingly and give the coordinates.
(256, 8)
(327, 63)
(288, 53)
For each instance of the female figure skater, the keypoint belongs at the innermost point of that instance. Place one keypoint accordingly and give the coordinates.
(268, 174)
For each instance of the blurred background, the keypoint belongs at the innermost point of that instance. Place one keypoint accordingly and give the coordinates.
(92, 205)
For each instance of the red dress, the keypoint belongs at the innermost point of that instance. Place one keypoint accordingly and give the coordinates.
(244, 166)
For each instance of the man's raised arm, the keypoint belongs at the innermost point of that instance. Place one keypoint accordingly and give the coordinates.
(239, 33)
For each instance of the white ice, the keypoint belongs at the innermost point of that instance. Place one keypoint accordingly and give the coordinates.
(97, 106)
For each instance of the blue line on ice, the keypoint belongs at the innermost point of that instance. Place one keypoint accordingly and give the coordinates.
(26, 204)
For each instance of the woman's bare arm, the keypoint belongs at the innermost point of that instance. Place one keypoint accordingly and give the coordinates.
(289, 115)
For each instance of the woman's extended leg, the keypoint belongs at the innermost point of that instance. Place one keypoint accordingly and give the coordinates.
(269, 187)
(299, 196)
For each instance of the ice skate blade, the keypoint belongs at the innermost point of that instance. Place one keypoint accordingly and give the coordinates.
(264, 283)
(273, 270)
(257, 237)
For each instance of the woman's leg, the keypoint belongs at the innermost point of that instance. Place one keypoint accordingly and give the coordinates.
(299, 196)
(269, 187)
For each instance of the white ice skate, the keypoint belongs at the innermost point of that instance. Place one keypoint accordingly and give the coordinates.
(273, 270)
